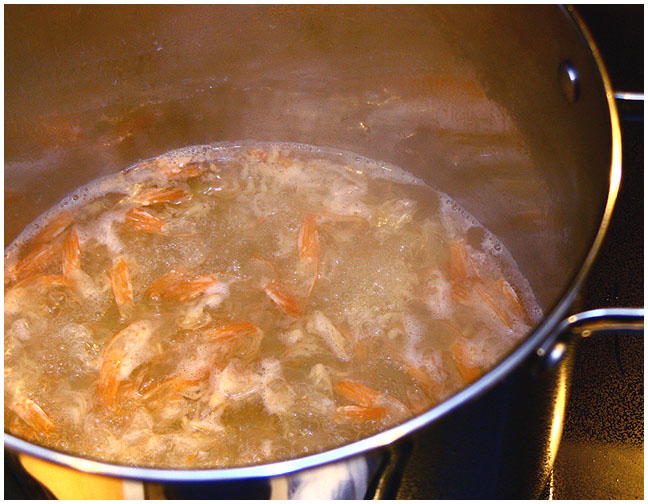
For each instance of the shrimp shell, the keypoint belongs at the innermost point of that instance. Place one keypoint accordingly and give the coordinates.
(308, 241)
(458, 262)
(228, 331)
(44, 281)
(357, 414)
(116, 363)
(175, 385)
(356, 393)
(468, 372)
(284, 299)
(37, 260)
(309, 247)
(494, 307)
(71, 253)
(121, 283)
(54, 228)
(33, 415)
(176, 286)
(180, 171)
(242, 337)
(431, 389)
(511, 295)
(140, 219)
(161, 195)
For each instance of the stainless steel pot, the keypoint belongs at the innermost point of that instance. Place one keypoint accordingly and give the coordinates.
(506, 108)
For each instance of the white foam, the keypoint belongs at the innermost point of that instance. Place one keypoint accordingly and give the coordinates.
(291, 337)
(277, 395)
(320, 325)
(125, 182)
(439, 296)
(236, 383)
(197, 363)
(434, 365)
(101, 230)
(75, 407)
(414, 328)
(14, 300)
(345, 199)
(20, 329)
(321, 377)
(132, 345)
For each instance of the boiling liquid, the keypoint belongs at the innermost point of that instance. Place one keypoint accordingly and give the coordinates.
(289, 300)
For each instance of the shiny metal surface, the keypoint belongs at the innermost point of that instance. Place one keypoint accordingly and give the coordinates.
(586, 324)
(629, 96)
(475, 111)
(607, 320)
(568, 76)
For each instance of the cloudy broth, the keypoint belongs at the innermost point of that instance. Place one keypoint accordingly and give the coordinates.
(231, 305)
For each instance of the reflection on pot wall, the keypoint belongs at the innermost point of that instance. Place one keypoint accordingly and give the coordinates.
(94, 89)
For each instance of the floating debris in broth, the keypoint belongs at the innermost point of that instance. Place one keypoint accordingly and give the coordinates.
(232, 305)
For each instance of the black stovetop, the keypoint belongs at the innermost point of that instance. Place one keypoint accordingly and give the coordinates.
(601, 453)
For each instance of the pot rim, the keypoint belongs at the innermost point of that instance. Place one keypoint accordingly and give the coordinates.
(543, 331)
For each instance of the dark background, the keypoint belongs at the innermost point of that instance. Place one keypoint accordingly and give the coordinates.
(601, 454)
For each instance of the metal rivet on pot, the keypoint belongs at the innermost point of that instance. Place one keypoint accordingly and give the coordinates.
(569, 81)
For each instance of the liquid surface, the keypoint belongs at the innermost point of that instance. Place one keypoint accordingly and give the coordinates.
(231, 305)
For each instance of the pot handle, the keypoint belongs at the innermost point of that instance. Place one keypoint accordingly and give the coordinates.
(586, 324)
(630, 105)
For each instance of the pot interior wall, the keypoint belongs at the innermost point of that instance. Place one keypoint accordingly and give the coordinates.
(466, 97)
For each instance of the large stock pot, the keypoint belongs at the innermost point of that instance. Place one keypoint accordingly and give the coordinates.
(506, 108)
